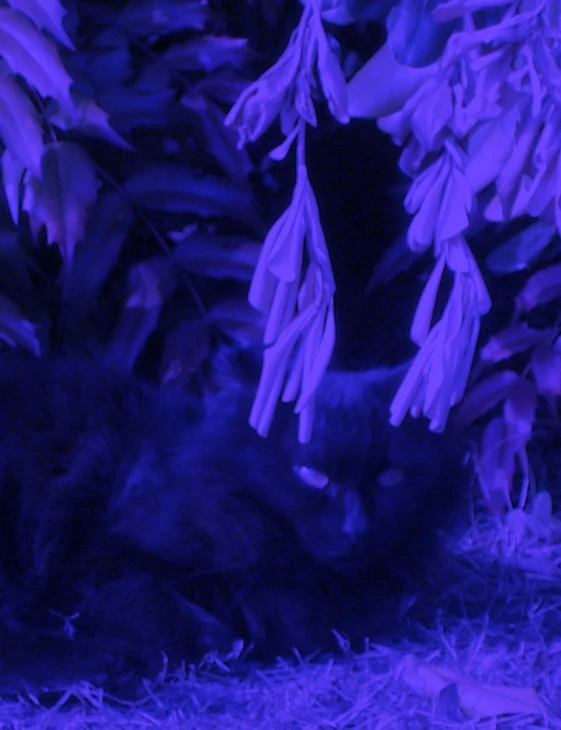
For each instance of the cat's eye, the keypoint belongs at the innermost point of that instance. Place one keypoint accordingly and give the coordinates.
(311, 477)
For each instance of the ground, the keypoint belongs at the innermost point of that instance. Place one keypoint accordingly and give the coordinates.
(496, 666)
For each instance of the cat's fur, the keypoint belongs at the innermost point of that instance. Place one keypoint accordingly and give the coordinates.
(171, 526)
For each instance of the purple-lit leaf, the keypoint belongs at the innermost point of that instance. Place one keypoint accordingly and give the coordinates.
(130, 107)
(150, 283)
(60, 198)
(262, 102)
(450, 9)
(436, 403)
(332, 79)
(496, 466)
(275, 364)
(208, 53)
(512, 340)
(425, 307)
(108, 225)
(541, 288)
(546, 369)
(12, 175)
(293, 382)
(90, 119)
(412, 158)
(281, 151)
(519, 411)
(522, 249)
(317, 355)
(224, 86)
(283, 246)
(219, 257)
(430, 178)
(411, 392)
(458, 255)
(430, 118)
(464, 357)
(510, 177)
(416, 39)
(281, 309)
(154, 19)
(334, 11)
(14, 328)
(47, 15)
(306, 421)
(220, 140)
(383, 85)
(135, 326)
(317, 245)
(455, 206)
(20, 129)
(458, 250)
(186, 349)
(425, 200)
(176, 188)
(32, 55)
(489, 147)
(485, 395)
(543, 193)
(397, 258)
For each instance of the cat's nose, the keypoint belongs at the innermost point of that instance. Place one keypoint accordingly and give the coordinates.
(355, 522)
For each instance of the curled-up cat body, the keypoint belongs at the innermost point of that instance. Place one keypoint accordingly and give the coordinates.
(137, 521)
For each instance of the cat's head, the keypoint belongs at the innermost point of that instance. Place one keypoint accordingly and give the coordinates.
(386, 491)
(360, 486)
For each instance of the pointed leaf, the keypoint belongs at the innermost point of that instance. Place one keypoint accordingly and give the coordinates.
(20, 128)
(519, 411)
(332, 79)
(15, 329)
(60, 198)
(541, 288)
(425, 307)
(135, 326)
(47, 15)
(496, 465)
(546, 369)
(485, 395)
(219, 257)
(512, 340)
(208, 53)
(88, 118)
(108, 225)
(149, 18)
(32, 55)
(176, 188)
(522, 249)
(12, 176)
(383, 85)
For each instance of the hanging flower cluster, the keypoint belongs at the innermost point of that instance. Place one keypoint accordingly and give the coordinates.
(480, 127)
(485, 117)
(293, 284)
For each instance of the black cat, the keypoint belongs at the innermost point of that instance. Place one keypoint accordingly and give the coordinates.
(135, 521)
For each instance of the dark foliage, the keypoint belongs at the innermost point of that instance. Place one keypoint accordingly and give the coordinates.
(153, 522)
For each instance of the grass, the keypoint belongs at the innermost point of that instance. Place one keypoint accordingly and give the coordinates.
(490, 659)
